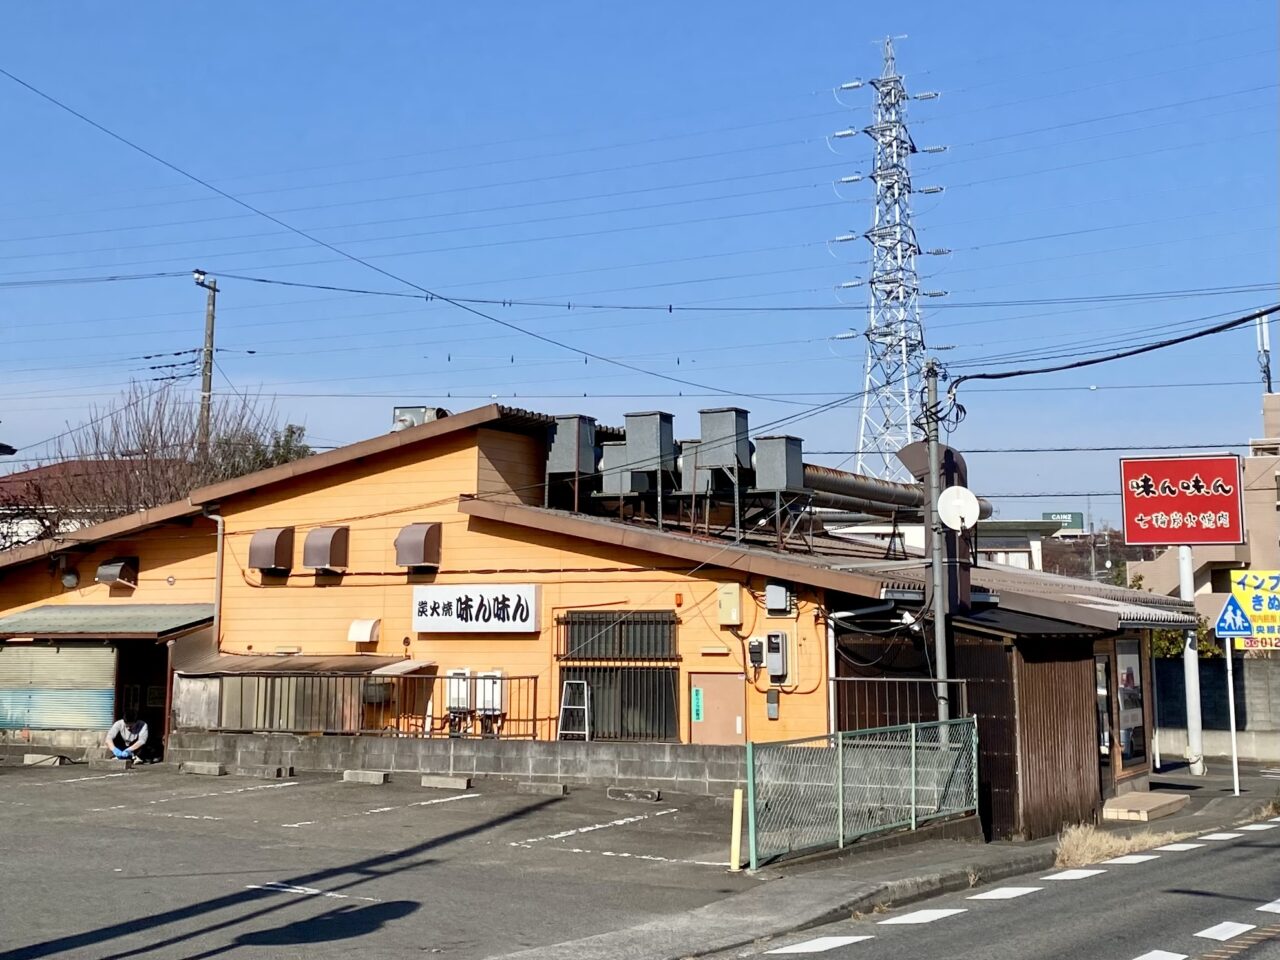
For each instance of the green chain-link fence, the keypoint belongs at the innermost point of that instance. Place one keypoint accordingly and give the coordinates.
(830, 790)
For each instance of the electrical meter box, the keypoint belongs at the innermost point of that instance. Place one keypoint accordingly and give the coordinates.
(729, 603)
(755, 652)
(777, 599)
(775, 656)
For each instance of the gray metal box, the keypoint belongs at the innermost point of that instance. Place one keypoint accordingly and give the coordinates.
(616, 476)
(573, 445)
(779, 464)
(651, 444)
(694, 477)
(724, 438)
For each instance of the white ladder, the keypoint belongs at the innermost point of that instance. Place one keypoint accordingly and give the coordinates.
(575, 703)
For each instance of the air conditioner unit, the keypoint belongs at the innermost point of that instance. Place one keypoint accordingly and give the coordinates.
(490, 692)
(457, 690)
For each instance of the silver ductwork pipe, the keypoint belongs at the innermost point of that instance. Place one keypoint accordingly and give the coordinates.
(871, 489)
(873, 508)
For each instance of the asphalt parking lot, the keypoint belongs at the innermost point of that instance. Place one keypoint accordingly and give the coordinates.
(100, 863)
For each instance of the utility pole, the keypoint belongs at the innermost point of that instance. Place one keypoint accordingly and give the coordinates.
(895, 336)
(1263, 326)
(932, 484)
(206, 361)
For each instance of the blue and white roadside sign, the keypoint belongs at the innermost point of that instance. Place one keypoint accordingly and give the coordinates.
(1233, 622)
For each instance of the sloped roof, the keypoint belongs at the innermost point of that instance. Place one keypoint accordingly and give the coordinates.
(106, 620)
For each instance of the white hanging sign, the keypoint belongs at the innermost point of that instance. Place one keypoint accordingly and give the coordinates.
(463, 608)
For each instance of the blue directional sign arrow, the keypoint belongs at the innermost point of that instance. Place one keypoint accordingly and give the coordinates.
(1233, 621)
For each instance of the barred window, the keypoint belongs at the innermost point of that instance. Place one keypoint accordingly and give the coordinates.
(614, 635)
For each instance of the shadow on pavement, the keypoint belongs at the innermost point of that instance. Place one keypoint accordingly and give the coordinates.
(371, 868)
(341, 923)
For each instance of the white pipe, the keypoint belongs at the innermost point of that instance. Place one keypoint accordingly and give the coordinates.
(217, 578)
(1191, 669)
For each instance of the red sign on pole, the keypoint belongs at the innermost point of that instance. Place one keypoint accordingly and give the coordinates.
(1182, 501)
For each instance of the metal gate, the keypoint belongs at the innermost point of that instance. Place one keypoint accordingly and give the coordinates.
(59, 687)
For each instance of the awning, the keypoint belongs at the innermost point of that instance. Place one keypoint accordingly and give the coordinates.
(1010, 623)
(106, 621)
(223, 664)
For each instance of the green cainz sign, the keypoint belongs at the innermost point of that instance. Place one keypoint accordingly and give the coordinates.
(695, 704)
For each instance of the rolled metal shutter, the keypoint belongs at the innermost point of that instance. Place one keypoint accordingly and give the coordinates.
(60, 687)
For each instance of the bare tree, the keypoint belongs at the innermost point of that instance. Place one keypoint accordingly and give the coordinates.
(139, 451)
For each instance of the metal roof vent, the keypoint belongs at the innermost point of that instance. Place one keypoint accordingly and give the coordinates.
(326, 548)
(724, 438)
(271, 550)
(418, 545)
(779, 463)
(573, 445)
(651, 444)
(118, 571)
(402, 418)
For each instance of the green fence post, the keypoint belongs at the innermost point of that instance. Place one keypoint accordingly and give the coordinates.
(751, 804)
(840, 789)
(913, 776)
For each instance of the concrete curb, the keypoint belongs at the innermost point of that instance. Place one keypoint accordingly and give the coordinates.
(782, 906)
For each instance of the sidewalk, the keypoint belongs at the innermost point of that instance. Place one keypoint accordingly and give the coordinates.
(816, 892)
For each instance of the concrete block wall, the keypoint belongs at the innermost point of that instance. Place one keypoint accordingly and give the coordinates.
(76, 744)
(678, 768)
(1257, 689)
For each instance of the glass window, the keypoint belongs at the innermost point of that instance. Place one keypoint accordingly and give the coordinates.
(1102, 681)
(1133, 731)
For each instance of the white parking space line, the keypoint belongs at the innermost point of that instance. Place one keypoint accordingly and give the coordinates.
(1073, 875)
(1180, 847)
(1255, 827)
(179, 816)
(378, 810)
(1225, 930)
(1274, 820)
(199, 796)
(646, 857)
(51, 783)
(921, 916)
(1161, 955)
(1133, 858)
(819, 944)
(1222, 836)
(623, 821)
(1272, 907)
(276, 886)
(1004, 893)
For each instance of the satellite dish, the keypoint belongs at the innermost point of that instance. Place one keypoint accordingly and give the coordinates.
(958, 508)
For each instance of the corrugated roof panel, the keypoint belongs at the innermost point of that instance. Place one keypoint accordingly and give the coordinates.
(106, 619)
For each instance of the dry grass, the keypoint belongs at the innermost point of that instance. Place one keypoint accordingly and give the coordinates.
(1270, 809)
(876, 909)
(1084, 844)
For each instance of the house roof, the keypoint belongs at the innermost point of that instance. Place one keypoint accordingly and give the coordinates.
(492, 415)
(152, 621)
(860, 569)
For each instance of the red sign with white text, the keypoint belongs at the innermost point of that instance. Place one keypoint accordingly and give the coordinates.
(1182, 501)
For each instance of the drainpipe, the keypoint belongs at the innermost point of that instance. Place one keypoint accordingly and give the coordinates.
(842, 617)
(217, 578)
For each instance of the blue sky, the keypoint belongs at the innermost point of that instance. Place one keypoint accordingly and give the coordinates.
(658, 154)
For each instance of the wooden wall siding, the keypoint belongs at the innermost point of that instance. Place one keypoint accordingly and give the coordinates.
(511, 467)
(1057, 735)
(183, 551)
(986, 665)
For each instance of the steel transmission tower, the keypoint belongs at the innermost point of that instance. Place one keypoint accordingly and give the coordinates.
(895, 336)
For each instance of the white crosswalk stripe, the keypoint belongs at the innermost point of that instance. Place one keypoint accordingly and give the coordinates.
(1161, 955)
(1133, 858)
(1180, 847)
(1272, 907)
(1004, 893)
(1225, 930)
(1255, 827)
(1222, 836)
(921, 916)
(1073, 875)
(819, 945)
